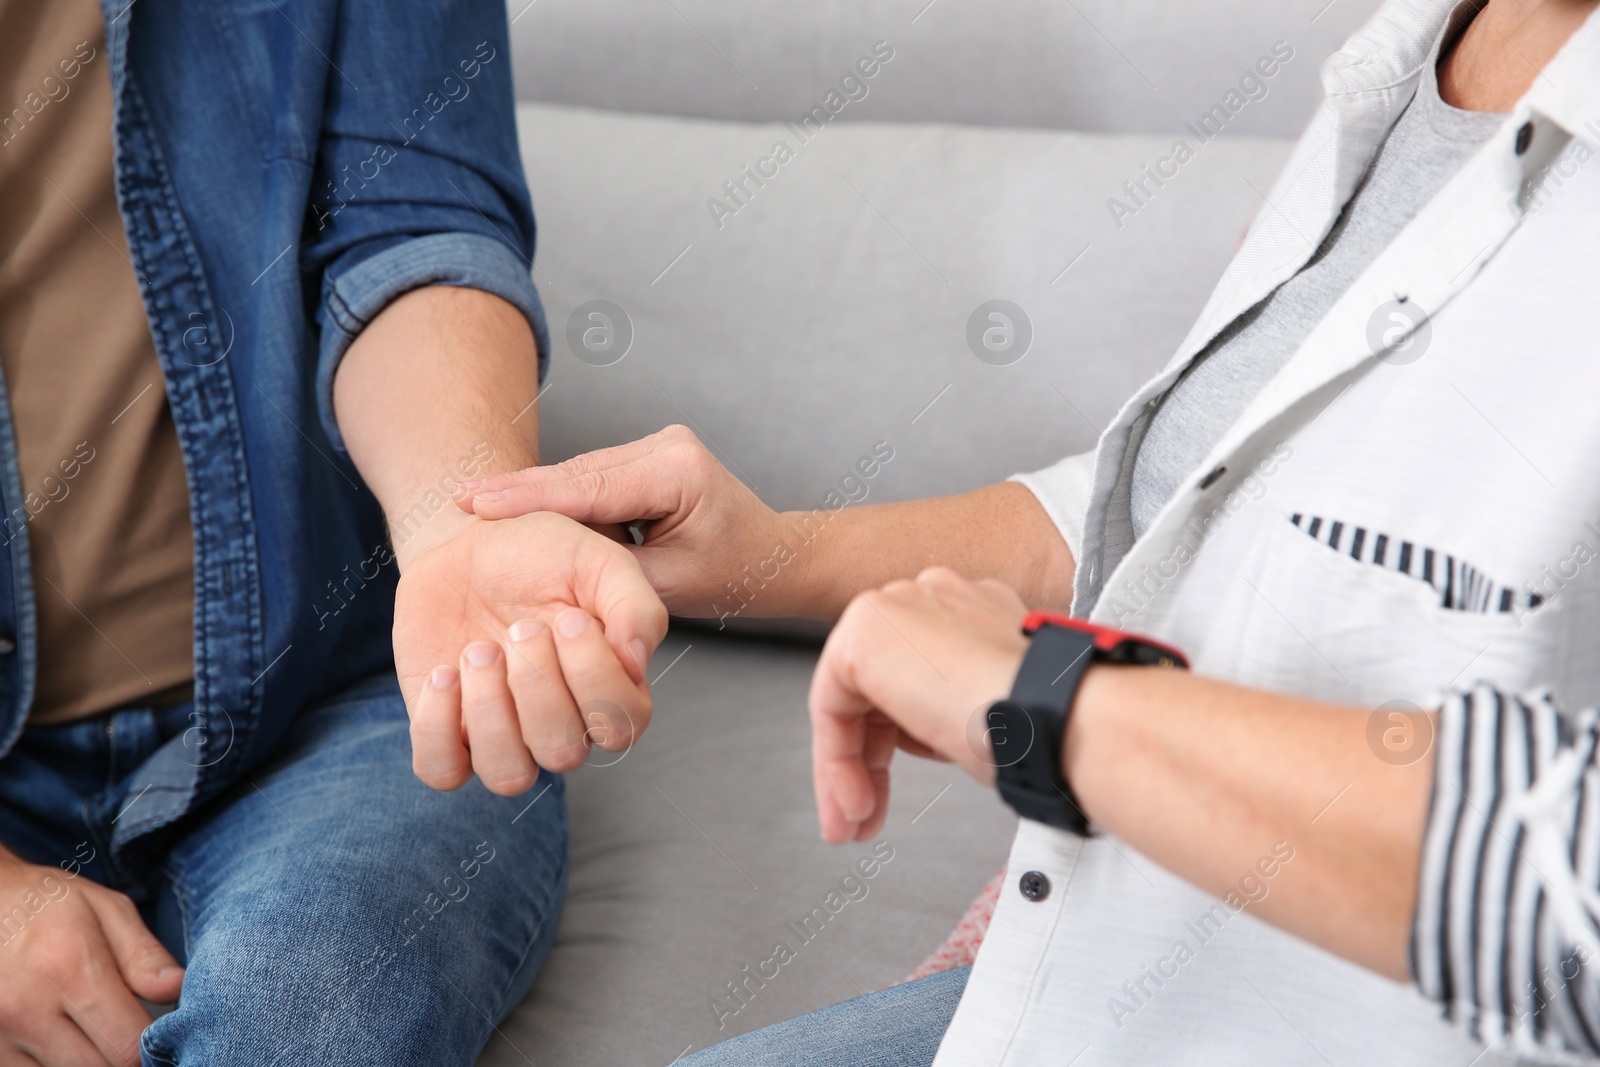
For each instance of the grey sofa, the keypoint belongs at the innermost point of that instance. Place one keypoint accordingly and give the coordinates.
(838, 300)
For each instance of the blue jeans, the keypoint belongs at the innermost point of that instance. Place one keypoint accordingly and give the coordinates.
(896, 1027)
(330, 908)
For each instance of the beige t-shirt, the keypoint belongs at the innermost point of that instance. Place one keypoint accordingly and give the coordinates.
(105, 502)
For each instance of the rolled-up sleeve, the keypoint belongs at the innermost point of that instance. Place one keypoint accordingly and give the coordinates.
(1505, 935)
(352, 299)
(418, 180)
(1063, 492)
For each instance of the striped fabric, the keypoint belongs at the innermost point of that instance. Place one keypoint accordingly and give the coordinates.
(1504, 934)
(1460, 585)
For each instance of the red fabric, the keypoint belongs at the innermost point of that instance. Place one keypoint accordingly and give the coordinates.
(961, 947)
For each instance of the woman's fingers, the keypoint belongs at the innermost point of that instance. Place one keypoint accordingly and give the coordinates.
(499, 756)
(848, 795)
(643, 479)
(646, 489)
(600, 459)
(437, 755)
(912, 746)
(879, 751)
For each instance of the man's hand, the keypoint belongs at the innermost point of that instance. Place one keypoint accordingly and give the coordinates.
(71, 977)
(702, 525)
(518, 644)
(915, 665)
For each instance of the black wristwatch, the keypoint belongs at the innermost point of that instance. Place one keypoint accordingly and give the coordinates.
(1026, 731)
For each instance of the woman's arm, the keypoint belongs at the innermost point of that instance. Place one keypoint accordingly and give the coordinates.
(1458, 871)
(713, 549)
(1205, 777)
(1468, 865)
(998, 532)
(1202, 776)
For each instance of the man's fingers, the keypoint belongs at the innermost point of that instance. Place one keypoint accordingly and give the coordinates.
(146, 965)
(62, 1043)
(494, 736)
(551, 726)
(631, 611)
(98, 999)
(615, 708)
(437, 755)
(112, 1022)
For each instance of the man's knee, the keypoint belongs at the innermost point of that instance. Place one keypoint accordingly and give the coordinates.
(382, 924)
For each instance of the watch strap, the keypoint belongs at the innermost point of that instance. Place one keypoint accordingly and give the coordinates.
(1026, 731)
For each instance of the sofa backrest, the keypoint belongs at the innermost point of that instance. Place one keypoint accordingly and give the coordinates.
(957, 296)
(1145, 66)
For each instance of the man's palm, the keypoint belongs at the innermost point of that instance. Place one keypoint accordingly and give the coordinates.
(500, 589)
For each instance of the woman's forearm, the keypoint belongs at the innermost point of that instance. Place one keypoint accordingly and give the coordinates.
(1209, 780)
(999, 531)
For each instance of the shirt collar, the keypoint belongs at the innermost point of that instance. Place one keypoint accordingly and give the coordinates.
(1389, 51)
(1394, 46)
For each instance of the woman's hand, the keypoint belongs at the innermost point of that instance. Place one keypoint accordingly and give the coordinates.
(915, 665)
(1220, 784)
(705, 532)
(712, 548)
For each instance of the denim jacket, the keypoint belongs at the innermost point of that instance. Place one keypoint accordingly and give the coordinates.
(284, 170)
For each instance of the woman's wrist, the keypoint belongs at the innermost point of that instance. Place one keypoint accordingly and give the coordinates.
(1000, 531)
(1089, 742)
(809, 588)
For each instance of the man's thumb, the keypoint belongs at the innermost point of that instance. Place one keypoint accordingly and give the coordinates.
(146, 965)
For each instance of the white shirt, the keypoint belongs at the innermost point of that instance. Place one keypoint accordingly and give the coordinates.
(1485, 446)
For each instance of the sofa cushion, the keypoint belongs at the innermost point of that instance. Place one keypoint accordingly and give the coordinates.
(1110, 65)
(844, 306)
(694, 853)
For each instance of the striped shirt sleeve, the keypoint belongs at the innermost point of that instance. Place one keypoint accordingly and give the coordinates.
(1505, 935)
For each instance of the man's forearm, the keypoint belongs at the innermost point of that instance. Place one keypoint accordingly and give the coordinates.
(999, 531)
(1205, 778)
(439, 387)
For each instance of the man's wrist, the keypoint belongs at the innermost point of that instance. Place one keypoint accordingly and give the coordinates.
(410, 539)
(439, 387)
(426, 515)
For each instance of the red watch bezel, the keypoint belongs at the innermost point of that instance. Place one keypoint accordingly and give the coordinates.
(1106, 639)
